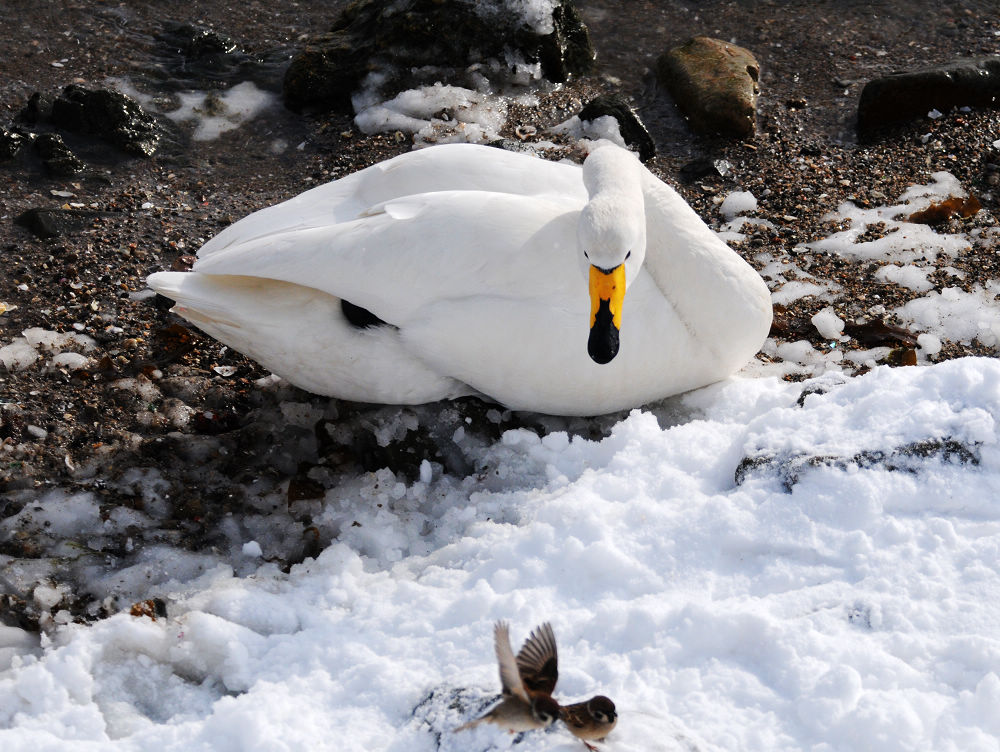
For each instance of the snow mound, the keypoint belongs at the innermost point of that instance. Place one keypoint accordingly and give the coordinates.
(792, 566)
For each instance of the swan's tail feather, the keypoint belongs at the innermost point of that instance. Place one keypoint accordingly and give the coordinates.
(302, 334)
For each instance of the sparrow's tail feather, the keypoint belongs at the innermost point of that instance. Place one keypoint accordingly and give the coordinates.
(470, 724)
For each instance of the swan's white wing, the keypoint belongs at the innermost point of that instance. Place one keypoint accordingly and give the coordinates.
(719, 297)
(449, 167)
(409, 254)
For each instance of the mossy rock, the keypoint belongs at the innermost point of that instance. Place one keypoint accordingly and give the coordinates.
(715, 85)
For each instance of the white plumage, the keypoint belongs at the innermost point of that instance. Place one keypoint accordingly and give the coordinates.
(475, 257)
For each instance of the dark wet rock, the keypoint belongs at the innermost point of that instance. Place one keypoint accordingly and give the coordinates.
(11, 143)
(37, 110)
(699, 169)
(632, 129)
(112, 116)
(567, 50)
(57, 157)
(715, 85)
(202, 56)
(51, 223)
(899, 97)
(197, 43)
(409, 35)
(907, 458)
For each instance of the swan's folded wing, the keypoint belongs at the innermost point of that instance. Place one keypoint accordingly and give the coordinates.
(449, 167)
(407, 254)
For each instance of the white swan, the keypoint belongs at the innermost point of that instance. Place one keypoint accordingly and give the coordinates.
(460, 268)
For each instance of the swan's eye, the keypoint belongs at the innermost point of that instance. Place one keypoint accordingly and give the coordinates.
(628, 255)
(586, 255)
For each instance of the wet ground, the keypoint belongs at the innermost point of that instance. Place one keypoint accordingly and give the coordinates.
(162, 397)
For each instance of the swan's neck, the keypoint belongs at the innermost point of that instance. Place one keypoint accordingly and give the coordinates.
(613, 223)
(614, 173)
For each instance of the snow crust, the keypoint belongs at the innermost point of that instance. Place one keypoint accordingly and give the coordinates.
(434, 114)
(212, 113)
(755, 565)
(24, 351)
(216, 113)
(738, 202)
(905, 242)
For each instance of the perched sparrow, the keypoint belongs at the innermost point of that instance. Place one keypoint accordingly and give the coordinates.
(527, 682)
(592, 719)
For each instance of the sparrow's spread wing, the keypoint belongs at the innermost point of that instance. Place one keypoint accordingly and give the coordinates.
(538, 662)
(510, 677)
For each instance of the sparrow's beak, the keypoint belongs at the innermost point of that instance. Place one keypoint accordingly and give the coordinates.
(607, 293)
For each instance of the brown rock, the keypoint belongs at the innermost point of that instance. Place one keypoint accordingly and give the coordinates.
(715, 84)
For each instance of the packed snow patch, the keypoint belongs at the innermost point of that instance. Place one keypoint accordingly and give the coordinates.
(737, 202)
(907, 275)
(34, 343)
(755, 565)
(902, 241)
(959, 316)
(434, 114)
(215, 113)
(828, 324)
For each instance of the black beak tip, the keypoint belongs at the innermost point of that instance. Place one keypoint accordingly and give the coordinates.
(602, 345)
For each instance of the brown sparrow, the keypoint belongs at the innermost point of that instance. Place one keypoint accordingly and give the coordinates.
(527, 682)
(593, 719)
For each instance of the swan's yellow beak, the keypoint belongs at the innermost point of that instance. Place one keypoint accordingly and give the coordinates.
(607, 293)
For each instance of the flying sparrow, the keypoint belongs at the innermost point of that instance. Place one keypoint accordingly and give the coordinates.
(590, 720)
(527, 681)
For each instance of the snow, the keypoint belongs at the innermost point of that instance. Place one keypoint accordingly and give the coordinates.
(216, 113)
(24, 351)
(906, 275)
(604, 127)
(904, 242)
(211, 113)
(738, 202)
(756, 565)
(468, 115)
(828, 324)
(957, 315)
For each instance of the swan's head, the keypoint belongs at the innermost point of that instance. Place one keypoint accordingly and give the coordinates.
(612, 242)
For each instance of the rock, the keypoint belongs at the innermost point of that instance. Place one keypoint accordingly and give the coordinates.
(629, 125)
(699, 169)
(11, 143)
(909, 458)
(51, 223)
(38, 109)
(114, 117)
(57, 157)
(201, 56)
(973, 82)
(715, 84)
(400, 38)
